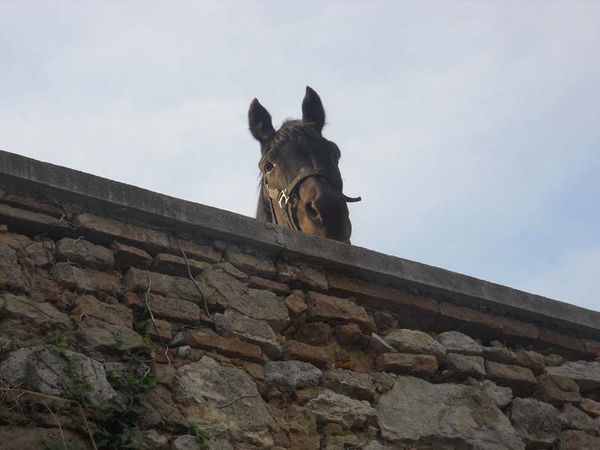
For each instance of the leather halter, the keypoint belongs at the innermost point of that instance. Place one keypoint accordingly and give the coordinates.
(287, 198)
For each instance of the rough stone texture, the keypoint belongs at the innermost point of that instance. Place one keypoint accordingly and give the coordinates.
(536, 422)
(407, 363)
(31, 311)
(193, 250)
(174, 309)
(574, 418)
(466, 365)
(88, 305)
(262, 283)
(11, 274)
(177, 266)
(314, 333)
(556, 390)
(532, 360)
(516, 377)
(501, 395)
(348, 333)
(82, 252)
(86, 280)
(229, 269)
(356, 385)
(226, 292)
(414, 341)
(126, 256)
(324, 308)
(295, 304)
(103, 336)
(578, 440)
(160, 401)
(152, 440)
(302, 275)
(301, 428)
(42, 369)
(28, 438)
(443, 414)
(379, 344)
(254, 331)
(318, 356)
(229, 346)
(590, 406)
(330, 407)
(251, 264)
(292, 375)
(457, 342)
(221, 399)
(137, 280)
(586, 374)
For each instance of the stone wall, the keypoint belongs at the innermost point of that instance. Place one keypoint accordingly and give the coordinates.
(122, 329)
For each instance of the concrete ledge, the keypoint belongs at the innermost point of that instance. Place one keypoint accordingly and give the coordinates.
(119, 199)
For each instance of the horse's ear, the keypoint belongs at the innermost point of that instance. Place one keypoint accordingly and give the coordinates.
(312, 108)
(260, 123)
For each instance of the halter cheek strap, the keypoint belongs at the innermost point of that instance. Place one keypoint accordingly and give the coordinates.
(287, 197)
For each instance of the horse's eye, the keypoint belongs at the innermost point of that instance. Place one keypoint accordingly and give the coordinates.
(268, 167)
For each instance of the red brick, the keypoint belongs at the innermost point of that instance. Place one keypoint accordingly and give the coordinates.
(371, 290)
(318, 356)
(251, 264)
(32, 222)
(228, 346)
(325, 308)
(513, 327)
(470, 317)
(30, 205)
(407, 363)
(561, 340)
(261, 283)
(201, 252)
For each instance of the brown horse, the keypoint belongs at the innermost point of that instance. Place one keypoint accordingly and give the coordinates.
(301, 186)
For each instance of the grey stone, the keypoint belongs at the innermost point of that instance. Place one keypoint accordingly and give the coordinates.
(88, 305)
(251, 264)
(330, 407)
(346, 382)
(231, 270)
(585, 373)
(185, 442)
(536, 422)
(85, 253)
(457, 342)
(176, 309)
(11, 274)
(152, 440)
(177, 287)
(417, 342)
(254, 331)
(39, 313)
(223, 399)
(292, 375)
(445, 414)
(44, 370)
(226, 292)
(466, 365)
(159, 400)
(576, 419)
(85, 280)
(578, 440)
(501, 395)
(379, 344)
(101, 336)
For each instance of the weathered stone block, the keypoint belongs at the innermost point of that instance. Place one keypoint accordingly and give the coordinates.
(177, 266)
(38, 313)
(407, 363)
(171, 308)
(84, 253)
(225, 292)
(501, 395)
(578, 440)
(126, 256)
(348, 333)
(295, 304)
(85, 280)
(254, 331)
(31, 222)
(292, 375)
(228, 346)
(357, 385)
(585, 373)
(314, 333)
(275, 286)
(330, 407)
(88, 305)
(466, 365)
(516, 377)
(451, 415)
(536, 422)
(103, 336)
(324, 308)
(590, 406)
(137, 280)
(11, 274)
(160, 330)
(202, 252)
(229, 269)
(251, 264)
(318, 356)
(556, 390)
(43, 369)
(15, 437)
(414, 341)
(301, 275)
(457, 342)
(224, 399)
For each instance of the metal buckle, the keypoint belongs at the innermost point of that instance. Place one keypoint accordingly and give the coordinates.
(283, 198)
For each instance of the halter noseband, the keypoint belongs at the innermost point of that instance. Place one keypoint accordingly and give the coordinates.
(287, 197)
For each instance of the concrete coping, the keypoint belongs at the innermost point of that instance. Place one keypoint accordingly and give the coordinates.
(160, 210)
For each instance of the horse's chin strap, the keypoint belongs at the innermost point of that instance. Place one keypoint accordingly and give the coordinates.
(287, 198)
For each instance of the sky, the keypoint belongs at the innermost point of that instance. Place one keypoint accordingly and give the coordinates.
(470, 129)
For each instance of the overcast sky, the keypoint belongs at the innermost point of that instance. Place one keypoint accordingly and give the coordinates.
(471, 129)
